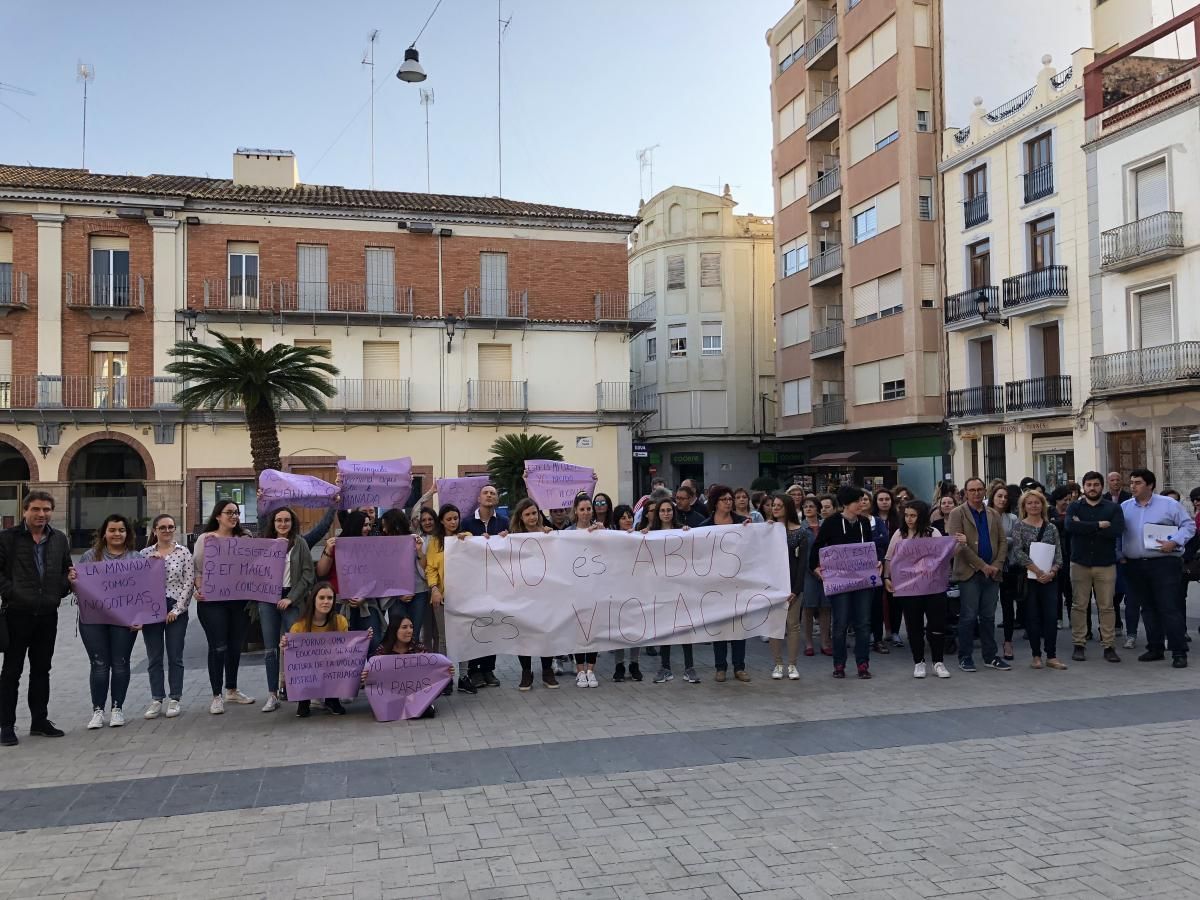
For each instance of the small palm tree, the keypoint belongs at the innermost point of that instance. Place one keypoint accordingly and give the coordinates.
(240, 373)
(507, 465)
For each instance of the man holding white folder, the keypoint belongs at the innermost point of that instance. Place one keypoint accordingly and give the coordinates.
(1156, 528)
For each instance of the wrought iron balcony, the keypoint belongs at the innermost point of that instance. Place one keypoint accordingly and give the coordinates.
(975, 402)
(825, 186)
(1039, 183)
(14, 289)
(355, 394)
(823, 114)
(825, 264)
(497, 395)
(621, 396)
(1032, 394)
(1032, 287)
(963, 307)
(1135, 370)
(106, 295)
(219, 294)
(815, 47)
(495, 303)
(830, 338)
(830, 411)
(622, 306)
(80, 392)
(975, 210)
(1140, 242)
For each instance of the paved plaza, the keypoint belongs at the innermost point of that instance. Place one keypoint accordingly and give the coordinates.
(990, 785)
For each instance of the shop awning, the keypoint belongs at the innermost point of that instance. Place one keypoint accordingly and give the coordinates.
(851, 459)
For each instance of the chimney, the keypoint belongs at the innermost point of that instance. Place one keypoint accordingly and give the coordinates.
(265, 168)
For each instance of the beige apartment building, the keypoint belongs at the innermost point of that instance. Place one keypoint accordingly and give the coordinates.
(706, 369)
(855, 90)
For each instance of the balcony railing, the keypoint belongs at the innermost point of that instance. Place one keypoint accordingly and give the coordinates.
(822, 39)
(822, 113)
(1030, 287)
(1031, 394)
(621, 396)
(1141, 241)
(495, 303)
(825, 186)
(1152, 366)
(14, 288)
(825, 263)
(830, 411)
(964, 306)
(833, 335)
(286, 296)
(622, 306)
(99, 291)
(370, 393)
(975, 210)
(645, 398)
(987, 400)
(497, 395)
(1039, 183)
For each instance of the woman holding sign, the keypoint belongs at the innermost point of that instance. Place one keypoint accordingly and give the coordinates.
(363, 613)
(435, 573)
(1038, 552)
(663, 517)
(526, 518)
(318, 618)
(224, 621)
(924, 615)
(298, 578)
(851, 595)
(720, 502)
(581, 520)
(169, 635)
(109, 646)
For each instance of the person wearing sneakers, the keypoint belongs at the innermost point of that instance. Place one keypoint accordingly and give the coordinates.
(1095, 524)
(527, 519)
(850, 608)
(783, 512)
(664, 517)
(224, 621)
(582, 519)
(924, 615)
(720, 504)
(168, 635)
(978, 570)
(109, 646)
(622, 520)
(1041, 591)
(277, 617)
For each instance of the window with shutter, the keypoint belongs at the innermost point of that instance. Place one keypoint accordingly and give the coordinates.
(380, 359)
(677, 340)
(495, 362)
(650, 277)
(312, 263)
(928, 285)
(711, 338)
(675, 273)
(891, 378)
(710, 270)
(794, 326)
(1156, 317)
(1151, 193)
(933, 374)
(925, 198)
(866, 301)
(891, 293)
(493, 283)
(791, 398)
(5, 372)
(381, 279)
(866, 383)
(922, 33)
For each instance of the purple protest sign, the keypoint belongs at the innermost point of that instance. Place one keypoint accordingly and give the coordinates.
(324, 664)
(849, 567)
(130, 591)
(403, 687)
(462, 492)
(921, 566)
(375, 566)
(276, 489)
(554, 485)
(385, 483)
(242, 568)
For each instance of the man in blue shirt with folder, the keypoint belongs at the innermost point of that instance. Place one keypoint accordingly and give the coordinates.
(1156, 528)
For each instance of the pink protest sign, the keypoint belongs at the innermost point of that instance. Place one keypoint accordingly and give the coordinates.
(375, 566)
(921, 566)
(462, 492)
(242, 568)
(276, 489)
(403, 687)
(129, 591)
(324, 664)
(554, 485)
(849, 567)
(385, 483)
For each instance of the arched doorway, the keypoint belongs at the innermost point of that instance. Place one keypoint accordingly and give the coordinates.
(14, 477)
(106, 477)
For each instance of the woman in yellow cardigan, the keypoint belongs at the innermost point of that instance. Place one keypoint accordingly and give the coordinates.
(318, 617)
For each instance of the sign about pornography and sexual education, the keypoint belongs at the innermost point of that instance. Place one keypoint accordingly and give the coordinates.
(276, 489)
(324, 664)
(462, 492)
(243, 568)
(555, 485)
(546, 594)
(130, 591)
(849, 567)
(404, 686)
(376, 566)
(921, 566)
(382, 483)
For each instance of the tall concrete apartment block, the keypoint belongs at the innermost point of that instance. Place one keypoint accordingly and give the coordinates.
(855, 91)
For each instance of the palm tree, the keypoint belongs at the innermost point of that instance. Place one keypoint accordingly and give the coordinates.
(507, 465)
(239, 372)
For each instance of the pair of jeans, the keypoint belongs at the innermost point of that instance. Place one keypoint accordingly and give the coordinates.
(275, 623)
(720, 655)
(365, 617)
(619, 655)
(109, 648)
(224, 623)
(168, 635)
(416, 609)
(925, 616)
(1041, 608)
(1154, 585)
(1085, 580)
(977, 606)
(664, 653)
(852, 608)
(32, 635)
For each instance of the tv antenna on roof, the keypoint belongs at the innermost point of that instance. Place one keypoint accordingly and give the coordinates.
(86, 73)
(645, 158)
(368, 59)
(427, 101)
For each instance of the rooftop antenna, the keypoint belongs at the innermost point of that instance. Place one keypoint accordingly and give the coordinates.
(645, 158)
(501, 27)
(86, 73)
(427, 101)
(368, 59)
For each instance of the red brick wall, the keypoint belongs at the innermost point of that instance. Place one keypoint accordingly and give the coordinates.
(21, 326)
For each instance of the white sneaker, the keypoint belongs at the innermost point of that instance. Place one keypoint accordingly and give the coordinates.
(217, 706)
(793, 673)
(97, 720)
(236, 696)
(173, 709)
(272, 704)
(581, 680)
(117, 719)
(153, 710)
(919, 670)
(591, 679)
(777, 672)
(1130, 643)
(940, 670)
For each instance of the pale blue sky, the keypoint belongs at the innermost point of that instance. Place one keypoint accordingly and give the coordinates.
(586, 83)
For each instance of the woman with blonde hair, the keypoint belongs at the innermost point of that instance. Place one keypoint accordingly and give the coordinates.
(1041, 586)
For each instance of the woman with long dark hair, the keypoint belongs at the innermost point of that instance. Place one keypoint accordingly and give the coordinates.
(720, 504)
(924, 615)
(224, 621)
(814, 603)
(665, 517)
(602, 510)
(394, 523)
(526, 518)
(400, 639)
(168, 635)
(426, 528)
(885, 609)
(363, 613)
(1002, 499)
(278, 616)
(318, 617)
(783, 512)
(447, 527)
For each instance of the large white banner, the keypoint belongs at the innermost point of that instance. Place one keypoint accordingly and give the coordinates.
(577, 591)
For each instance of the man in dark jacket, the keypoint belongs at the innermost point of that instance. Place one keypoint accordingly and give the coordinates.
(1095, 524)
(35, 561)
